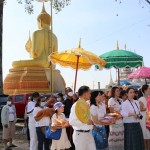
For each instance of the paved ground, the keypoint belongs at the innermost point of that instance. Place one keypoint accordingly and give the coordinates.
(20, 139)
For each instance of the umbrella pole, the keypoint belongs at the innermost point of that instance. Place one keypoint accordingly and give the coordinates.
(118, 76)
(75, 82)
(145, 81)
(51, 49)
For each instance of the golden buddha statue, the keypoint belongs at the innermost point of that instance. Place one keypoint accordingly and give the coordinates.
(40, 45)
(28, 76)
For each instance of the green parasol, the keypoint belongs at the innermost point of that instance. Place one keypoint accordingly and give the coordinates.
(120, 59)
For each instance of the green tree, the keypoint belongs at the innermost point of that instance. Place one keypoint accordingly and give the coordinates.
(148, 1)
(1, 34)
(29, 8)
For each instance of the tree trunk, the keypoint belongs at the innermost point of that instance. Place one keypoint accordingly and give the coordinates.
(1, 45)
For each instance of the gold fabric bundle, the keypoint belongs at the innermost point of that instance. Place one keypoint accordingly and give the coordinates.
(82, 111)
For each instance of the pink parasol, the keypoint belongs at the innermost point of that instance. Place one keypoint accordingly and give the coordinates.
(143, 73)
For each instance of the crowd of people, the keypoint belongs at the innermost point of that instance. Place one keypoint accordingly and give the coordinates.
(114, 119)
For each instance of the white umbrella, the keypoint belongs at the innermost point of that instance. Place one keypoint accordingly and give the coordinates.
(134, 84)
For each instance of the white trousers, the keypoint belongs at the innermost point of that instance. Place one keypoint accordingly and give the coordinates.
(83, 141)
(33, 137)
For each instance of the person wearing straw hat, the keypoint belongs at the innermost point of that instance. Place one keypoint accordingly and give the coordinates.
(59, 118)
(81, 122)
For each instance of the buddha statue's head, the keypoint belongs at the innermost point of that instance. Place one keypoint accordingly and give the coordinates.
(44, 19)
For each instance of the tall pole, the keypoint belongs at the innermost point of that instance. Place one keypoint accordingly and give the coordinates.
(51, 50)
(99, 86)
(1, 39)
(145, 81)
(93, 85)
(118, 76)
(77, 66)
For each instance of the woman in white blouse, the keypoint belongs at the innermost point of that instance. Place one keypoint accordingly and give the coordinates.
(98, 111)
(116, 135)
(43, 143)
(143, 95)
(131, 115)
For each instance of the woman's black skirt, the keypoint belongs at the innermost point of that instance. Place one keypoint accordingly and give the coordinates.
(133, 137)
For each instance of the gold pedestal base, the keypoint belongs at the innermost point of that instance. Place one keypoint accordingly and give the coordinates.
(26, 80)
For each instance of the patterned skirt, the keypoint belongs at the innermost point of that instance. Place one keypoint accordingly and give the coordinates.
(116, 137)
(133, 136)
(100, 138)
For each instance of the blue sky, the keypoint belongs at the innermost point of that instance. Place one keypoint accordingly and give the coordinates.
(100, 23)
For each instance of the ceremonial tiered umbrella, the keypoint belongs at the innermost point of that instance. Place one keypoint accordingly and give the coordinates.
(77, 58)
(120, 59)
(142, 73)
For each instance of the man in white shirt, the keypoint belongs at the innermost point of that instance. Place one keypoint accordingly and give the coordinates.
(8, 118)
(32, 127)
(82, 136)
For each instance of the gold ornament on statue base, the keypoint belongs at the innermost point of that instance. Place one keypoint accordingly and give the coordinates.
(32, 75)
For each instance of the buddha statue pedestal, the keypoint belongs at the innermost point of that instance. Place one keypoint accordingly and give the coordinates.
(32, 79)
(59, 82)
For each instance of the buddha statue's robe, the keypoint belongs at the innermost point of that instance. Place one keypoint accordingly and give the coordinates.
(41, 49)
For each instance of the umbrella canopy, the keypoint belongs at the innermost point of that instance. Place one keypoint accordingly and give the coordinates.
(68, 58)
(77, 58)
(121, 59)
(125, 82)
(135, 84)
(142, 73)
